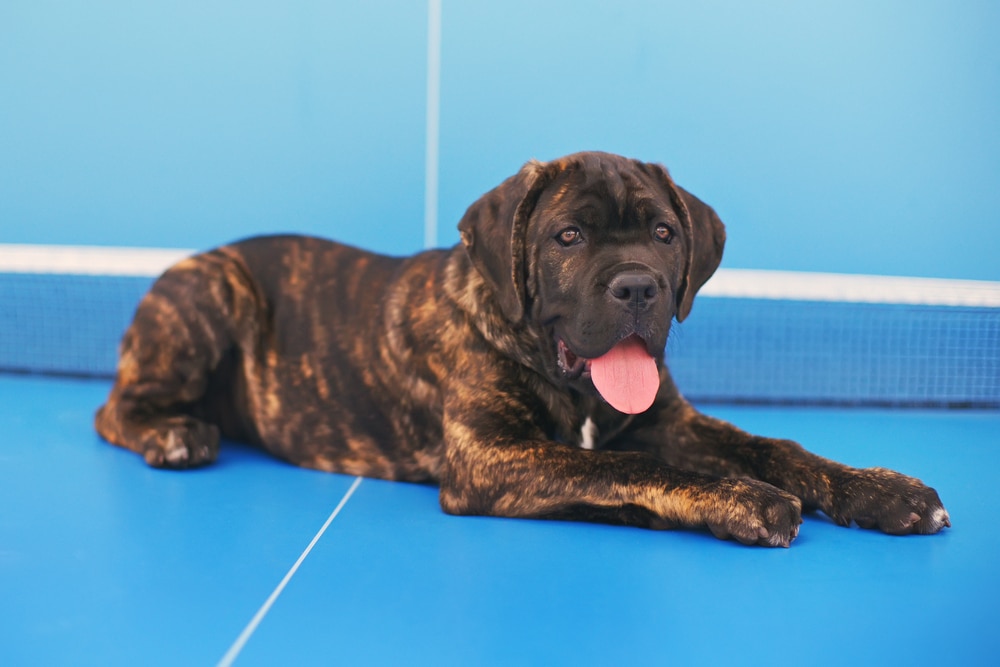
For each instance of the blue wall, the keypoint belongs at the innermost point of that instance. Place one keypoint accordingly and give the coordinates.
(854, 136)
(187, 123)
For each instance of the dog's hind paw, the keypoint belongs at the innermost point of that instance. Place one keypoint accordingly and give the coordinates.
(181, 442)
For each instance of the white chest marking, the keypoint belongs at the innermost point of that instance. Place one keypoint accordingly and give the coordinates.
(588, 434)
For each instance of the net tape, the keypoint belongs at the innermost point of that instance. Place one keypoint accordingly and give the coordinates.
(913, 342)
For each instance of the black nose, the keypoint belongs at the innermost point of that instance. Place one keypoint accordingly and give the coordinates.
(637, 288)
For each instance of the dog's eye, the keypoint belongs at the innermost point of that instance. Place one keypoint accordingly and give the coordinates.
(569, 236)
(664, 233)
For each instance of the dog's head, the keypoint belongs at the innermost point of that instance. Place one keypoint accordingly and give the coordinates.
(600, 252)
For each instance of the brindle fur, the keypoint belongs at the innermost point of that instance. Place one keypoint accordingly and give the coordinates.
(442, 368)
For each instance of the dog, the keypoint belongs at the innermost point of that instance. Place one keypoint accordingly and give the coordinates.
(522, 370)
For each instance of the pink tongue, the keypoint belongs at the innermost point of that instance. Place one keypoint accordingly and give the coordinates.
(626, 376)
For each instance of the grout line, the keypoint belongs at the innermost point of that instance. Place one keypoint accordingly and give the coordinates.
(244, 637)
(433, 122)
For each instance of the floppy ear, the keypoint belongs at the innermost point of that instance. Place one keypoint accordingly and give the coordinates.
(493, 232)
(705, 236)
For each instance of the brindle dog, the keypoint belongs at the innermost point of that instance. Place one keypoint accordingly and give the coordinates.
(475, 367)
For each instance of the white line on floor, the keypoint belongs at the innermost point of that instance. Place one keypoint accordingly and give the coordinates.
(244, 637)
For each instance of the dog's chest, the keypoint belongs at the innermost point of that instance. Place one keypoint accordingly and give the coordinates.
(588, 434)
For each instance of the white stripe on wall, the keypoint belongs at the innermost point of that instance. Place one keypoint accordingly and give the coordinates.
(736, 283)
(88, 260)
(802, 286)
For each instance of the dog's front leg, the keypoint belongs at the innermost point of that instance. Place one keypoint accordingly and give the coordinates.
(499, 463)
(871, 497)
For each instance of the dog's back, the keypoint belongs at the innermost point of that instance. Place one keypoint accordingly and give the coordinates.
(284, 341)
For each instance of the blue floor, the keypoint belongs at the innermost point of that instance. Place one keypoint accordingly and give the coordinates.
(104, 561)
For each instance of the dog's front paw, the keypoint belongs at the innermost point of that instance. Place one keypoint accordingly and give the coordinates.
(180, 442)
(889, 501)
(753, 512)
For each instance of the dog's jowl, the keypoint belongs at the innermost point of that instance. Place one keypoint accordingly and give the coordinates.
(521, 370)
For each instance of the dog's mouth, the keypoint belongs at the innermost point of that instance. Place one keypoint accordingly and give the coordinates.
(570, 364)
(626, 376)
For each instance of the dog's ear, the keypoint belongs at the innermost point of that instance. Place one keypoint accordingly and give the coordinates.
(493, 232)
(705, 236)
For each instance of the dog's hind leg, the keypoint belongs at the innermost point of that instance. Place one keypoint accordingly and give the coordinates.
(180, 335)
